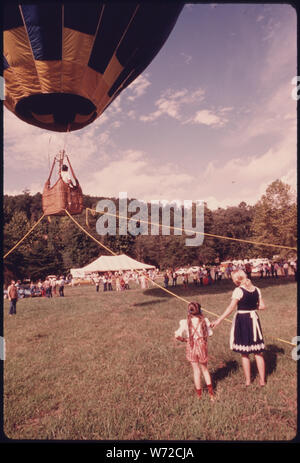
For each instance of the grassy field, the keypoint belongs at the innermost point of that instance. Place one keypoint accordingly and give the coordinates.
(105, 366)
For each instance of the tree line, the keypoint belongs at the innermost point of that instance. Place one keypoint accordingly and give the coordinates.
(56, 245)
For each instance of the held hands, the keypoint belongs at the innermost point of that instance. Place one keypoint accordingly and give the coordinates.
(215, 323)
(180, 338)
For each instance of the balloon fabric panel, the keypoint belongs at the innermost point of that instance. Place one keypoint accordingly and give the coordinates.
(44, 29)
(65, 64)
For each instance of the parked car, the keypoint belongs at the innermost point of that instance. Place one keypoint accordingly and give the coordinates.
(23, 292)
(35, 292)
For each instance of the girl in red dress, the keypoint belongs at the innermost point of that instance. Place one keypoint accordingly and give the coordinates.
(194, 331)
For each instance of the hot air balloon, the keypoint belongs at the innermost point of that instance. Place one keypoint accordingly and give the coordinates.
(65, 63)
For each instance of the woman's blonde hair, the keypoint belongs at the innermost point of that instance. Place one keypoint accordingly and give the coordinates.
(240, 278)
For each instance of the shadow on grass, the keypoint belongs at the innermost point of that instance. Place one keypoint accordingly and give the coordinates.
(270, 355)
(224, 371)
(222, 286)
(153, 301)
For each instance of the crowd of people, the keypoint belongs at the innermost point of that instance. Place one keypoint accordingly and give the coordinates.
(208, 274)
(196, 276)
(51, 286)
(120, 281)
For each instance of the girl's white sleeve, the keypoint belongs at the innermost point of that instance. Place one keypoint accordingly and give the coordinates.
(209, 330)
(182, 330)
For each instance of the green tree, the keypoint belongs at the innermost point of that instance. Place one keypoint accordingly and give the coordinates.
(233, 222)
(77, 248)
(275, 218)
(41, 261)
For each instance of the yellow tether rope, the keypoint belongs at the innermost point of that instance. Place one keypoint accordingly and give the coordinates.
(156, 284)
(190, 231)
(25, 236)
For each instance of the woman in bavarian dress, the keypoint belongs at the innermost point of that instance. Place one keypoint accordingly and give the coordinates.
(246, 334)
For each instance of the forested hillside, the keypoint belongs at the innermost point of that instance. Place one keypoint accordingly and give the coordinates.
(56, 245)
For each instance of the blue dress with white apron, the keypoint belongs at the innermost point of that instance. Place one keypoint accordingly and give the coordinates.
(246, 333)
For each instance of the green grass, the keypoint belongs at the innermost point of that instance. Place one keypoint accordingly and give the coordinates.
(106, 367)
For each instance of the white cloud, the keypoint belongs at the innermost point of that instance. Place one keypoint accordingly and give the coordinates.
(29, 147)
(172, 102)
(220, 185)
(138, 87)
(246, 178)
(207, 117)
(136, 174)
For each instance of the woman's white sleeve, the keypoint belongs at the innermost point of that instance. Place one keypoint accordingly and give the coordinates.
(237, 294)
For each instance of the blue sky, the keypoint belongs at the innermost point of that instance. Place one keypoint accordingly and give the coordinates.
(211, 118)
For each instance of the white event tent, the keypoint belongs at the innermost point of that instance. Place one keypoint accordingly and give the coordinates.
(110, 264)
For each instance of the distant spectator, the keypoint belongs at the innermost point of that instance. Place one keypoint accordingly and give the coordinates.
(104, 281)
(12, 293)
(228, 270)
(126, 279)
(32, 288)
(174, 278)
(195, 279)
(118, 283)
(166, 279)
(248, 270)
(216, 269)
(61, 286)
(97, 283)
(47, 287)
(53, 283)
(200, 276)
(122, 283)
(208, 275)
(272, 268)
(109, 282)
(185, 281)
(286, 269)
(267, 269)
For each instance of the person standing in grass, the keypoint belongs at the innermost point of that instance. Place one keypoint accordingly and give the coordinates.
(97, 283)
(246, 333)
(61, 286)
(194, 331)
(12, 293)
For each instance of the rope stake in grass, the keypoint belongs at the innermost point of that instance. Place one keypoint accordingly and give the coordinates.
(255, 243)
